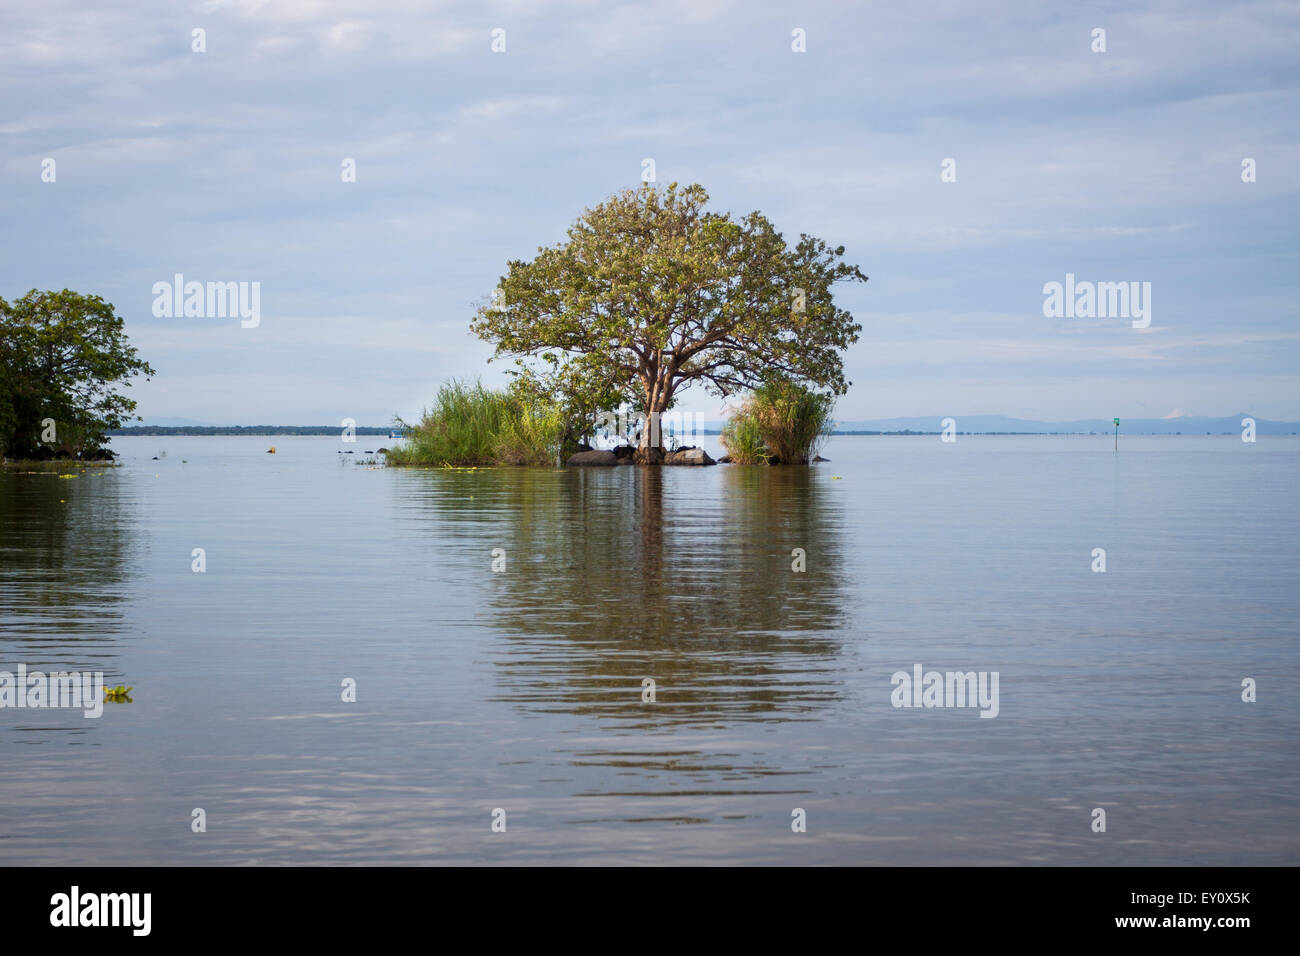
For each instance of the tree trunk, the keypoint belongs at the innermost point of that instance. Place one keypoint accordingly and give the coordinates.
(650, 450)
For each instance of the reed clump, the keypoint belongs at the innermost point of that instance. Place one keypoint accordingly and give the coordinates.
(780, 423)
(471, 425)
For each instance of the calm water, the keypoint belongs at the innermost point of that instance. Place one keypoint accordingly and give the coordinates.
(522, 690)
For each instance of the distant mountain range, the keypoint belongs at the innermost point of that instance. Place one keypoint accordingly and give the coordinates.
(1001, 424)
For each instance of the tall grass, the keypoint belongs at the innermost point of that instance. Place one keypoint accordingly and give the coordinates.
(472, 425)
(530, 434)
(782, 420)
(742, 438)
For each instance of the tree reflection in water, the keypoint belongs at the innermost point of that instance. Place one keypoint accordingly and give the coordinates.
(684, 577)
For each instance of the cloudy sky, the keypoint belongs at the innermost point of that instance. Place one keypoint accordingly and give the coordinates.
(226, 166)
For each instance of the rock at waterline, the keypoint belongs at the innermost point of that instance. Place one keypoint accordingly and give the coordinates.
(689, 456)
(685, 456)
(587, 458)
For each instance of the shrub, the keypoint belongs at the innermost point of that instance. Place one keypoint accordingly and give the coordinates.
(781, 419)
(530, 434)
(742, 438)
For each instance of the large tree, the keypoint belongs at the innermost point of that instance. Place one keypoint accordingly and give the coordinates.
(652, 293)
(62, 357)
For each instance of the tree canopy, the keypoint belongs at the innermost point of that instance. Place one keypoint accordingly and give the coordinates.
(651, 293)
(62, 357)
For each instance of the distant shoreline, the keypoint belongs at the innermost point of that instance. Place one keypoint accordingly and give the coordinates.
(375, 431)
(251, 430)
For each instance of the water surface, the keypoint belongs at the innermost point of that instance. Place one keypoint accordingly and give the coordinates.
(522, 689)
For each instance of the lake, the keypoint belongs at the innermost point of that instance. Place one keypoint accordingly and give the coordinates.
(521, 689)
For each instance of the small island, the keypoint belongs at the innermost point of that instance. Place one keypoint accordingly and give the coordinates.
(650, 295)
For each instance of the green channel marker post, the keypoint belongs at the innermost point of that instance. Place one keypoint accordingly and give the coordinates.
(1117, 434)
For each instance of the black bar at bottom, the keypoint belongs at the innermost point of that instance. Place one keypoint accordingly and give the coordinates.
(304, 905)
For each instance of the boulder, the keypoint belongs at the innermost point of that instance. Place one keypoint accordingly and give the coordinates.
(589, 458)
(689, 456)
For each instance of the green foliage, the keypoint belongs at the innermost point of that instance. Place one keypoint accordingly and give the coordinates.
(781, 419)
(532, 433)
(62, 355)
(118, 694)
(743, 439)
(460, 429)
(651, 294)
(474, 425)
(577, 400)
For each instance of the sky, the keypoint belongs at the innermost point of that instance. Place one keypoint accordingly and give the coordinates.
(227, 166)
